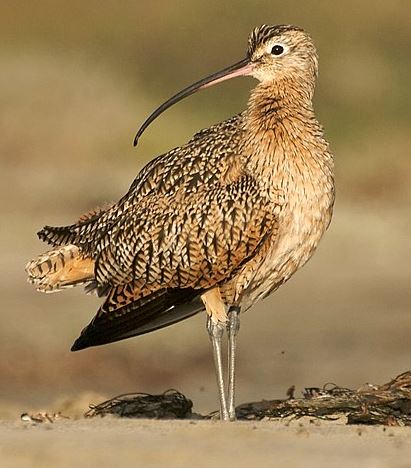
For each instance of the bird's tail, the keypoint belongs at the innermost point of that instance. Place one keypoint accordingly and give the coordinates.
(60, 268)
(137, 317)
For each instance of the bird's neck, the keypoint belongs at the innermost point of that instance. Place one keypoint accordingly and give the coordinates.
(281, 131)
(279, 101)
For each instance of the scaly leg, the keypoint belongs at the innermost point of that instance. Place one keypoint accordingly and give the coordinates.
(233, 327)
(215, 332)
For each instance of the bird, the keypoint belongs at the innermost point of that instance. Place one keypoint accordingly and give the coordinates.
(214, 225)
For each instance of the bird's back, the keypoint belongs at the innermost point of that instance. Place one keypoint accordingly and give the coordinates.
(212, 155)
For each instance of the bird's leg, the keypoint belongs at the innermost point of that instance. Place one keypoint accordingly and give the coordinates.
(215, 332)
(233, 326)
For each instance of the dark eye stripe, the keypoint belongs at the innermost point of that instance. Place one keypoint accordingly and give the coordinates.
(277, 50)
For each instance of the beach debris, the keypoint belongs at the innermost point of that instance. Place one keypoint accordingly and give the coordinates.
(42, 417)
(388, 404)
(168, 405)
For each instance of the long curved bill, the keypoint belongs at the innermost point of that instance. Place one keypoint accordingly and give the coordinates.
(244, 67)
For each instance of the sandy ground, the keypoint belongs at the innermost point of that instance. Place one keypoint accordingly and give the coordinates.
(112, 442)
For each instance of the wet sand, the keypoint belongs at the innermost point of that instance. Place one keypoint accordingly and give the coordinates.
(110, 442)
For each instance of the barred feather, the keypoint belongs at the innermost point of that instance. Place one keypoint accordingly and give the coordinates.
(61, 268)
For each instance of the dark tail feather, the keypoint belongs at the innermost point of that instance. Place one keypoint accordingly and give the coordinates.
(56, 235)
(62, 235)
(139, 317)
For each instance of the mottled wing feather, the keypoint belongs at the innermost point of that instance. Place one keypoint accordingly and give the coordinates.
(186, 240)
(200, 161)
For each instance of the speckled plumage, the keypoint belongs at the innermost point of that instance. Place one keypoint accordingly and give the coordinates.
(239, 208)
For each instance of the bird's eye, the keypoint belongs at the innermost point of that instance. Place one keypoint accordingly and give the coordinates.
(277, 49)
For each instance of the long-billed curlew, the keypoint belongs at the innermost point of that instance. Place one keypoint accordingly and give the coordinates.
(216, 224)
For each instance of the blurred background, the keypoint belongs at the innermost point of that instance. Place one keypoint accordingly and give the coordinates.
(77, 78)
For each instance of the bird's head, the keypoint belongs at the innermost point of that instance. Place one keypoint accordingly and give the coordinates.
(275, 54)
